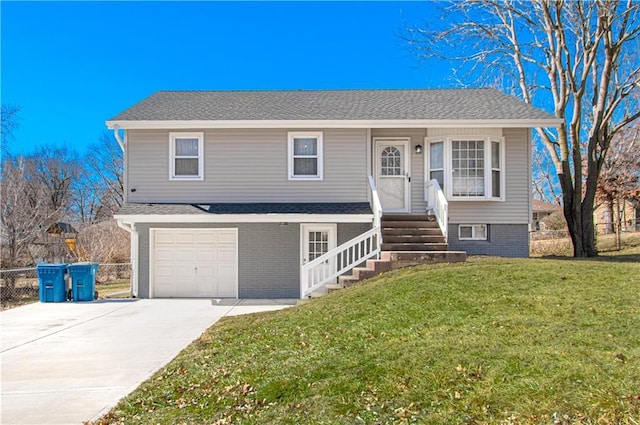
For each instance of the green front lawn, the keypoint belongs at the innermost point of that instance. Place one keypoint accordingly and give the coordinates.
(489, 341)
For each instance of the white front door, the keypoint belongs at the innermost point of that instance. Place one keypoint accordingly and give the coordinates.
(194, 263)
(318, 239)
(392, 174)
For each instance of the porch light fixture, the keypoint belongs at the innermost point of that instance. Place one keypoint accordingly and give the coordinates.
(418, 149)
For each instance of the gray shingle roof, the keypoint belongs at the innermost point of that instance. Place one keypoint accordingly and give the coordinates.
(413, 104)
(342, 208)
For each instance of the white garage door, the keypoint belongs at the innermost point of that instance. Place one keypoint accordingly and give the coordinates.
(195, 263)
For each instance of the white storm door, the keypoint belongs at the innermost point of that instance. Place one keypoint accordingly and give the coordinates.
(392, 174)
(194, 263)
(318, 239)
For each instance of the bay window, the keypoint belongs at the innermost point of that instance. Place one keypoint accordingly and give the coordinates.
(467, 168)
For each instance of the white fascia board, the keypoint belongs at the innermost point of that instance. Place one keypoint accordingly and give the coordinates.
(246, 218)
(316, 124)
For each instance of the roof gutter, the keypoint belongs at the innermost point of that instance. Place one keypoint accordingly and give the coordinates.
(393, 123)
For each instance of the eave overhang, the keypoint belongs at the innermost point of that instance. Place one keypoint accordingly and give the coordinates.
(318, 124)
(244, 218)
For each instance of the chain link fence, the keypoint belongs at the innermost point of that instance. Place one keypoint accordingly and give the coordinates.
(21, 286)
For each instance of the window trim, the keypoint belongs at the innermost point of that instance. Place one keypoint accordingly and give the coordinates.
(305, 228)
(291, 135)
(488, 169)
(473, 232)
(172, 155)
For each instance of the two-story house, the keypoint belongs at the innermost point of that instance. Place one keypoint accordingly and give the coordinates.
(272, 194)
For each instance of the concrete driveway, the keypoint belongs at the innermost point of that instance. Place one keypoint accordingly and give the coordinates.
(66, 363)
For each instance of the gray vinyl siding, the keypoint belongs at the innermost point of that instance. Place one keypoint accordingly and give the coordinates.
(247, 166)
(515, 208)
(268, 255)
(416, 136)
(504, 240)
(348, 231)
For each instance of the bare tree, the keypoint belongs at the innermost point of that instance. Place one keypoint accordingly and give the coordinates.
(103, 242)
(26, 211)
(9, 122)
(55, 171)
(620, 176)
(580, 57)
(106, 162)
(544, 185)
(86, 197)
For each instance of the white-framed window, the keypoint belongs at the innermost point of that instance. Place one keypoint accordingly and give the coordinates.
(467, 168)
(305, 155)
(436, 162)
(472, 232)
(186, 156)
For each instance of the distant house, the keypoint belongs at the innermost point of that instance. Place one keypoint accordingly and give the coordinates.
(540, 210)
(604, 218)
(273, 194)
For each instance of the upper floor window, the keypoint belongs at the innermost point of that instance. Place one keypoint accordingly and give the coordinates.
(186, 156)
(467, 168)
(305, 156)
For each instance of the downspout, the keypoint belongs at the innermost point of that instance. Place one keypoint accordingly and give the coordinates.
(116, 132)
(131, 228)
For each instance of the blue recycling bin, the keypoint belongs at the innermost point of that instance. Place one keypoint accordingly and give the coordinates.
(83, 281)
(53, 283)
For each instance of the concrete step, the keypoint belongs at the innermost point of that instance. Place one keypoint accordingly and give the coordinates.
(379, 265)
(318, 294)
(331, 287)
(421, 238)
(410, 258)
(347, 281)
(361, 273)
(414, 246)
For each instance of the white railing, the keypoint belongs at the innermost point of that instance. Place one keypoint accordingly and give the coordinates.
(437, 202)
(329, 266)
(337, 261)
(375, 203)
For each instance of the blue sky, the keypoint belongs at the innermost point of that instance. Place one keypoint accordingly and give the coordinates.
(72, 65)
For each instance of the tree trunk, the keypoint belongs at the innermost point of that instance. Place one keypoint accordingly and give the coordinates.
(589, 248)
(618, 226)
(579, 216)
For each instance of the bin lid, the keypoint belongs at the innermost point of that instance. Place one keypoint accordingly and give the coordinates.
(83, 267)
(52, 266)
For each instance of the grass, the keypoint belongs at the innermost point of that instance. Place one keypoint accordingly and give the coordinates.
(562, 246)
(120, 287)
(502, 341)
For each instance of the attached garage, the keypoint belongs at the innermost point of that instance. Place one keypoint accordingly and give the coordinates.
(194, 263)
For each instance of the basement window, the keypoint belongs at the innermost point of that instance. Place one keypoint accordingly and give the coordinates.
(472, 232)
